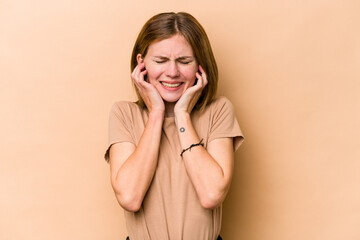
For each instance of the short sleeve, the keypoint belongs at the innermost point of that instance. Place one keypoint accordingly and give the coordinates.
(119, 126)
(224, 123)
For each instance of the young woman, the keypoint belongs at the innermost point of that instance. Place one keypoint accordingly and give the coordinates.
(171, 153)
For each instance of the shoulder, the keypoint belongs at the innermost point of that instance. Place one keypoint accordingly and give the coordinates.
(126, 109)
(217, 108)
(220, 101)
(219, 104)
(124, 106)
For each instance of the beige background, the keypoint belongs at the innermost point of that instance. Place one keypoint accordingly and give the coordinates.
(291, 68)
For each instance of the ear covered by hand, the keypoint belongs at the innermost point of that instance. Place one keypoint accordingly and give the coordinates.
(148, 92)
(190, 97)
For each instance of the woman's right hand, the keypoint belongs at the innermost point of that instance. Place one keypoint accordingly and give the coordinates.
(148, 92)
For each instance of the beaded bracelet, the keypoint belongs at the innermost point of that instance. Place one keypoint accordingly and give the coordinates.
(191, 146)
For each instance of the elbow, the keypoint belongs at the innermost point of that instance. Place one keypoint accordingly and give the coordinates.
(129, 203)
(211, 201)
(214, 197)
(127, 199)
(131, 207)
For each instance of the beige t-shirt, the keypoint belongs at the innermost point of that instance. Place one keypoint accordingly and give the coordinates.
(171, 208)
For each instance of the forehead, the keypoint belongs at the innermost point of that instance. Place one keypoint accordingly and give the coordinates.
(176, 45)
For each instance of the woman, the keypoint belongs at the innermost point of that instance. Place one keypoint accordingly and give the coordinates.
(171, 153)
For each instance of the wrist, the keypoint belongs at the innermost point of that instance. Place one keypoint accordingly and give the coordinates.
(182, 115)
(157, 114)
(182, 118)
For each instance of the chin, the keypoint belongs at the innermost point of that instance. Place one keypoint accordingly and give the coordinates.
(170, 99)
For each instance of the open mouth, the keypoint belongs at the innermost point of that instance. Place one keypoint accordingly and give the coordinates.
(171, 85)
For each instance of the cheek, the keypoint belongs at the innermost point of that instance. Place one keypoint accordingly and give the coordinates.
(153, 73)
(190, 74)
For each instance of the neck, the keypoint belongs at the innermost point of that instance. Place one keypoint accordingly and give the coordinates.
(169, 109)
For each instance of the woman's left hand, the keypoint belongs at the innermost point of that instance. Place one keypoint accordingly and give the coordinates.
(190, 97)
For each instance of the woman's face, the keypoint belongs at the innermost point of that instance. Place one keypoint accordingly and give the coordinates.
(171, 67)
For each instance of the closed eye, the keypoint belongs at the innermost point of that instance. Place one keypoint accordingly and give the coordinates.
(182, 62)
(185, 60)
(159, 61)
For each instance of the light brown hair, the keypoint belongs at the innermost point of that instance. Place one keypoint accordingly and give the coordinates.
(165, 25)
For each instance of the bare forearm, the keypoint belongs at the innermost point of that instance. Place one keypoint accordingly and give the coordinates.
(134, 176)
(205, 173)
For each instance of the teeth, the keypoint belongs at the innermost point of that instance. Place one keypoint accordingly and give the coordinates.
(172, 85)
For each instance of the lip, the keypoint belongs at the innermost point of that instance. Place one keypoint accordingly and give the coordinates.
(171, 88)
(171, 82)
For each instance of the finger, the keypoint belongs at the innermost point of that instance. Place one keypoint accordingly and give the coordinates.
(134, 73)
(205, 80)
(136, 78)
(200, 80)
(137, 70)
(140, 82)
(142, 75)
(201, 68)
(144, 84)
(203, 74)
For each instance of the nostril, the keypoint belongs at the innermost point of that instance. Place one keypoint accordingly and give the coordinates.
(173, 73)
(172, 70)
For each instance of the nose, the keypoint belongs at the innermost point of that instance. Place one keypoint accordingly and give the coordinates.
(172, 70)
